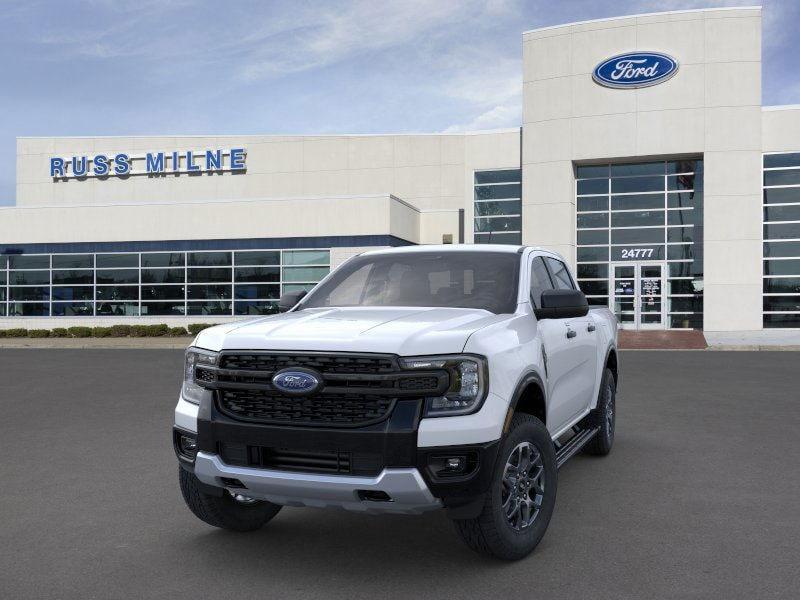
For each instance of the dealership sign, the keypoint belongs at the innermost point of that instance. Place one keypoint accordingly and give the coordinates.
(635, 70)
(122, 164)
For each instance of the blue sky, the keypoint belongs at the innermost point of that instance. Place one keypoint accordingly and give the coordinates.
(152, 67)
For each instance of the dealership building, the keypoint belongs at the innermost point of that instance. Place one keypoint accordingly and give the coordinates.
(644, 156)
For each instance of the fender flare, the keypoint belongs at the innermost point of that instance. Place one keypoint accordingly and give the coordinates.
(530, 377)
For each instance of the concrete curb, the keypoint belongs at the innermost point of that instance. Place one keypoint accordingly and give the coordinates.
(754, 347)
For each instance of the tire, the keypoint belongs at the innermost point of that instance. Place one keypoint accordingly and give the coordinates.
(224, 511)
(604, 416)
(492, 532)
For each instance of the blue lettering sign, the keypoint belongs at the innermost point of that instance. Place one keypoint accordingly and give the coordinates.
(635, 70)
(56, 167)
(213, 160)
(122, 166)
(237, 159)
(154, 163)
(190, 166)
(79, 166)
(100, 164)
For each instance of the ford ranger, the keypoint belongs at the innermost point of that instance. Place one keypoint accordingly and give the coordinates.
(409, 379)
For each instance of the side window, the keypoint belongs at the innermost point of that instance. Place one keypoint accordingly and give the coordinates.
(540, 281)
(561, 277)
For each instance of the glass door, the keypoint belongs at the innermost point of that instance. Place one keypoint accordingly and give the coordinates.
(637, 294)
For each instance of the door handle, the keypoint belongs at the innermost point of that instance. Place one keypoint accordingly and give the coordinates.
(571, 333)
(591, 327)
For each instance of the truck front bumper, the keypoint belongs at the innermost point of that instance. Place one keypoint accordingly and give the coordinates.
(378, 468)
(394, 490)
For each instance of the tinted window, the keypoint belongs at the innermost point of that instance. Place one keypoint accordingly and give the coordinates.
(561, 277)
(485, 280)
(540, 281)
(112, 261)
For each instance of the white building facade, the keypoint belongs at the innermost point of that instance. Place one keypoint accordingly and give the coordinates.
(645, 157)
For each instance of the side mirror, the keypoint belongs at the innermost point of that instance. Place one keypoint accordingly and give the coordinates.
(562, 304)
(290, 299)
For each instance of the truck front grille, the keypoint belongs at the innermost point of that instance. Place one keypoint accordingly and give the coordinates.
(357, 390)
(324, 409)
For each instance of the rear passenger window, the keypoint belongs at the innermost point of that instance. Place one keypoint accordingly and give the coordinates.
(561, 277)
(540, 281)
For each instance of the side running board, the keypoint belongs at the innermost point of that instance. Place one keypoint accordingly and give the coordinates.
(569, 449)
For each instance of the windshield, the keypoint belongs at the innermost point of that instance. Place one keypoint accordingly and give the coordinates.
(468, 279)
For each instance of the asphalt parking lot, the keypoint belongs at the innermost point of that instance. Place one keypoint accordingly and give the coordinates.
(699, 499)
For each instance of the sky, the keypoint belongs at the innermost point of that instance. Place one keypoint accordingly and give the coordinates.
(172, 67)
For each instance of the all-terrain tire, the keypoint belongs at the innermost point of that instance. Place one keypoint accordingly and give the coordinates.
(603, 416)
(491, 533)
(224, 511)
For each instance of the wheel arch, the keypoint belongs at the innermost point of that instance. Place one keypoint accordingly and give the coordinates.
(612, 364)
(530, 398)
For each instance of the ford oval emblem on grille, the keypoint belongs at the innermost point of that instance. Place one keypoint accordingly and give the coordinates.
(296, 382)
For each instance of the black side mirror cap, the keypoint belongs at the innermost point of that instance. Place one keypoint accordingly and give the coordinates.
(562, 304)
(290, 299)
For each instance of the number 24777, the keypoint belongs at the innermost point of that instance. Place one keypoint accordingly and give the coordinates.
(637, 252)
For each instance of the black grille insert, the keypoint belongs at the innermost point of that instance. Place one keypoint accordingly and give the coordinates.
(324, 363)
(287, 459)
(325, 409)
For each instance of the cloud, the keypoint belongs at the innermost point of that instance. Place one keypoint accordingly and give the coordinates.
(335, 34)
(497, 117)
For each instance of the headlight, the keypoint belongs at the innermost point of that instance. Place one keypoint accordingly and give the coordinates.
(469, 382)
(191, 391)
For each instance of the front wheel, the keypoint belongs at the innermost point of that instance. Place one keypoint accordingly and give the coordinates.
(519, 505)
(237, 513)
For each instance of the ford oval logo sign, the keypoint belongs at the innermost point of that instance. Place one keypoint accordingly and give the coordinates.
(635, 70)
(295, 382)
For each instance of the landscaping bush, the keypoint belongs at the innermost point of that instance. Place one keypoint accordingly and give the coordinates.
(157, 330)
(16, 332)
(177, 331)
(195, 328)
(101, 332)
(138, 331)
(59, 332)
(120, 330)
(80, 332)
(38, 333)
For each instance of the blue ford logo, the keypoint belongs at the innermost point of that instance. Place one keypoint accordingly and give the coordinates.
(296, 382)
(635, 70)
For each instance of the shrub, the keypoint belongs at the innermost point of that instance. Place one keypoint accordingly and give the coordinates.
(59, 332)
(120, 330)
(2, 333)
(177, 331)
(16, 332)
(80, 332)
(195, 328)
(38, 333)
(138, 330)
(157, 330)
(101, 332)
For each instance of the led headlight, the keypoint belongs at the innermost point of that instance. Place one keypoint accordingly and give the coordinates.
(469, 381)
(191, 390)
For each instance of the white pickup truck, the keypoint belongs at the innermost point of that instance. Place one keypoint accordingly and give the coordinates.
(409, 379)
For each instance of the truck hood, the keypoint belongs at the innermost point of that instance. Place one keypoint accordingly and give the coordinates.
(403, 331)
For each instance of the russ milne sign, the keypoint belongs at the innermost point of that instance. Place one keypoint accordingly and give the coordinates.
(635, 70)
(151, 163)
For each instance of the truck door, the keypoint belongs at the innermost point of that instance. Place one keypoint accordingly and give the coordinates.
(572, 354)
